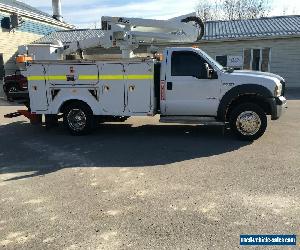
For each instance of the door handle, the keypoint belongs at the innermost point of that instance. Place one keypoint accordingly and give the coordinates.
(169, 85)
(106, 88)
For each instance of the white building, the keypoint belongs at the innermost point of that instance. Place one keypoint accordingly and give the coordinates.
(22, 24)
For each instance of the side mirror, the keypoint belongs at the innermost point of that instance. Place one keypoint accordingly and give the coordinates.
(214, 75)
(207, 71)
(210, 72)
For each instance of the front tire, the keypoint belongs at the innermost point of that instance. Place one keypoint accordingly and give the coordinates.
(78, 119)
(248, 121)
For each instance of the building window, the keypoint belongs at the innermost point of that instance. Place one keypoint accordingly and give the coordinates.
(265, 63)
(257, 59)
(222, 60)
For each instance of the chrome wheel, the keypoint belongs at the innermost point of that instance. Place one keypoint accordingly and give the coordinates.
(77, 119)
(248, 123)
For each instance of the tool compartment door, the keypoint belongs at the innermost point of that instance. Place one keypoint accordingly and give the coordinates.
(70, 75)
(139, 86)
(37, 87)
(86, 74)
(112, 85)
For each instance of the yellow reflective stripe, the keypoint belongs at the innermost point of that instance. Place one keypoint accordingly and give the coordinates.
(58, 78)
(35, 78)
(125, 77)
(88, 77)
(40, 78)
(92, 77)
(111, 77)
(139, 77)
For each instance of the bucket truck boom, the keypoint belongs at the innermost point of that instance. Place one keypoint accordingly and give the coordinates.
(129, 33)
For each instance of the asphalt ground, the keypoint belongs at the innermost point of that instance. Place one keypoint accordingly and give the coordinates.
(143, 185)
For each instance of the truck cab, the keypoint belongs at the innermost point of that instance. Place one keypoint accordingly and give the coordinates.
(194, 84)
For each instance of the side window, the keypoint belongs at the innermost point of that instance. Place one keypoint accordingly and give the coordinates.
(188, 63)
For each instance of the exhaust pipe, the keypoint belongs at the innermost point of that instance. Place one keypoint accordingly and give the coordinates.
(56, 6)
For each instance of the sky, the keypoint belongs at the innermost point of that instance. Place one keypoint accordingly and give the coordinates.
(87, 14)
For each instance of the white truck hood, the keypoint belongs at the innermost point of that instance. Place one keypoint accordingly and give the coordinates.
(250, 72)
(240, 77)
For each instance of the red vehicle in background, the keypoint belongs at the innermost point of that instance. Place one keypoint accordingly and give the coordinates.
(15, 86)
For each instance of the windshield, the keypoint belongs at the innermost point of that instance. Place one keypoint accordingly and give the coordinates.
(209, 58)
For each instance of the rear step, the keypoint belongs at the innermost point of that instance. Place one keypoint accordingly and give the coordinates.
(191, 120)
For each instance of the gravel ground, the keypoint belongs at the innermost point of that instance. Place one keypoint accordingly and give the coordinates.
(143, 185)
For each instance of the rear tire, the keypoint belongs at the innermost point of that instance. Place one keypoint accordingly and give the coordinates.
(248, 121)
(78, 118)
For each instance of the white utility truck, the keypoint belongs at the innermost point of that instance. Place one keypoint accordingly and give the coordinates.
(184, 86)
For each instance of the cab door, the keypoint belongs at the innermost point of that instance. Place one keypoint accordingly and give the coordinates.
(188, 89)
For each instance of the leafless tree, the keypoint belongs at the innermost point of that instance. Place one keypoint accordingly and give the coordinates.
(210, 10)
(233, 9)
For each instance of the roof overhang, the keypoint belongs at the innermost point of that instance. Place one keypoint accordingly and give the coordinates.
(35, 16)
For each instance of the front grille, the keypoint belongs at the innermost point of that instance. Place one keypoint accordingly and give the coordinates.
(283, 87)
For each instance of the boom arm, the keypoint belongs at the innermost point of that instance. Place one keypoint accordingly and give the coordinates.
(129, 33)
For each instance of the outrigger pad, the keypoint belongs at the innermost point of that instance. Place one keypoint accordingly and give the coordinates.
(12, 115)
(33, 118)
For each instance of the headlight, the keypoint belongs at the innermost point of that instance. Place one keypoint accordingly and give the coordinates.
(278, 90)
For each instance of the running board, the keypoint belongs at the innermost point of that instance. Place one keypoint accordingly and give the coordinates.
(191, 120)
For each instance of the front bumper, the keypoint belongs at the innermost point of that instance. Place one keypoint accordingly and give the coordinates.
(278, 105)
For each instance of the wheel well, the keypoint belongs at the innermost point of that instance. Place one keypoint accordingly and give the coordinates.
(71, 102)
(252, 98)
